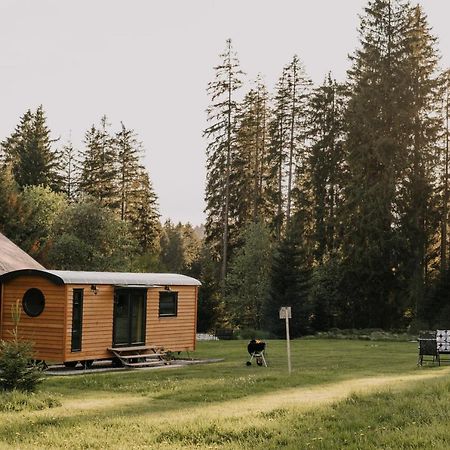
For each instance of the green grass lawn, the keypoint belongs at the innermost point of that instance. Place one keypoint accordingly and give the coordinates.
(229, 405)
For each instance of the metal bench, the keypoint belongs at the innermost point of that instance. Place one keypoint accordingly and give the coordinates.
(434, 344)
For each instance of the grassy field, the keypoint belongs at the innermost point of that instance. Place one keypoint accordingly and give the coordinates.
(341, 394)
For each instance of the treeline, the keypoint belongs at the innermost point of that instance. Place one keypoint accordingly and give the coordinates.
(89, 209)
(334, 198)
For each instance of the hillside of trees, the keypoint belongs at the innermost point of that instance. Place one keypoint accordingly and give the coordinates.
(332, 199)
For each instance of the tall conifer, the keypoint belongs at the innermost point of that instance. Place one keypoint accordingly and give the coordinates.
(221, 136)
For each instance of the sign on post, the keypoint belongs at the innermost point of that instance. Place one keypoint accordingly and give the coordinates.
(286, 313)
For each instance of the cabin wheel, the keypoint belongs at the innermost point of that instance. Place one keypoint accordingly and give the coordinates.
(116, 362)
(87, 364)
(70, 364)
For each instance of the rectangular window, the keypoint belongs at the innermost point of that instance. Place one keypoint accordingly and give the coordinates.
(168, 304)
(77, 319)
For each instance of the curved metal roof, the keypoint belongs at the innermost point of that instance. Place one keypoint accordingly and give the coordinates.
(124, 278)
(114, 278)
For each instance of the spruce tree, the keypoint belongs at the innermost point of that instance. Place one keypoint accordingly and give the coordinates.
(445, 161)
(289, 285)
(29, 151)
(288, 133)
(221, 136)
(248, 278)
(128, 153)
(250, 169)
(69, 170)
(143, 213)
(376, 158)
(416, 205)
(99, 172)
(326, 165)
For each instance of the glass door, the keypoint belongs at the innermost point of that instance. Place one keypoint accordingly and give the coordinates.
(129, 317)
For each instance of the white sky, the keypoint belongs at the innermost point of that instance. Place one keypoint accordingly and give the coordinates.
(147, 63)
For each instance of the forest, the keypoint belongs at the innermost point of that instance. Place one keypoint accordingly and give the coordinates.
(330, 198)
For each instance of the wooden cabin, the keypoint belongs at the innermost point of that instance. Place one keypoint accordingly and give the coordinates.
(82, 316)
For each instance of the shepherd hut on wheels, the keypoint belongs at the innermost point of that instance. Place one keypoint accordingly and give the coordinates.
(73, 316)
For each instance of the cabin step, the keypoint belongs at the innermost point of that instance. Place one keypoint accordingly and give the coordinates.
(130, 349)
(147, 355)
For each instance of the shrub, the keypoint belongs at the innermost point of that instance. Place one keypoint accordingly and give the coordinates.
(17, 371)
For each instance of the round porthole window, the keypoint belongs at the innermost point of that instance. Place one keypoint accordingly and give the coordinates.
(33, 302)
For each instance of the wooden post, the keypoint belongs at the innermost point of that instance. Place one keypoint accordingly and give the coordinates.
(285, 313)
(288, 343)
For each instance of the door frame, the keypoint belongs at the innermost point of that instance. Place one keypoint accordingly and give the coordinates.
(129, 292)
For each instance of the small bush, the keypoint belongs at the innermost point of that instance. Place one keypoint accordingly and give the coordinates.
(17, 372)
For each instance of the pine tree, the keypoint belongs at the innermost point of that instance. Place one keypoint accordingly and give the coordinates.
(325, 165)
(445, 170)
(29, 151)
(128, 153)
(99, 173)
(143, 213)
(250, 169)
(417, 208)
(376, 158)
(288, 132)
(69, 172)
(221, 136)
(289, 285)
(248, 278)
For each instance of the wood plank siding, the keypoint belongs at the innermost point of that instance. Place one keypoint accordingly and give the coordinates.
(51, 331)
(173, 333)
(97, 326)
(47, 330)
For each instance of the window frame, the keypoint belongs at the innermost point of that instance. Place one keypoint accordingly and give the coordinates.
(25, 300)
(74, 348)
(174, 296)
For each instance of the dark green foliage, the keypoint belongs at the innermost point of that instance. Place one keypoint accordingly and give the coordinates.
(210, 312)
(29, 152)
(69, 171)
(326, 166)
(286, 155)
(16, 370)
(128, 153)
(220, 152)
(99, 171)
(88, 236)
(143, 213)
(247, 283)
(180, 247)
(250, 171)
(9, 204)
(40, 206)
(434, 310)
(327, 298)
(289, 286)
